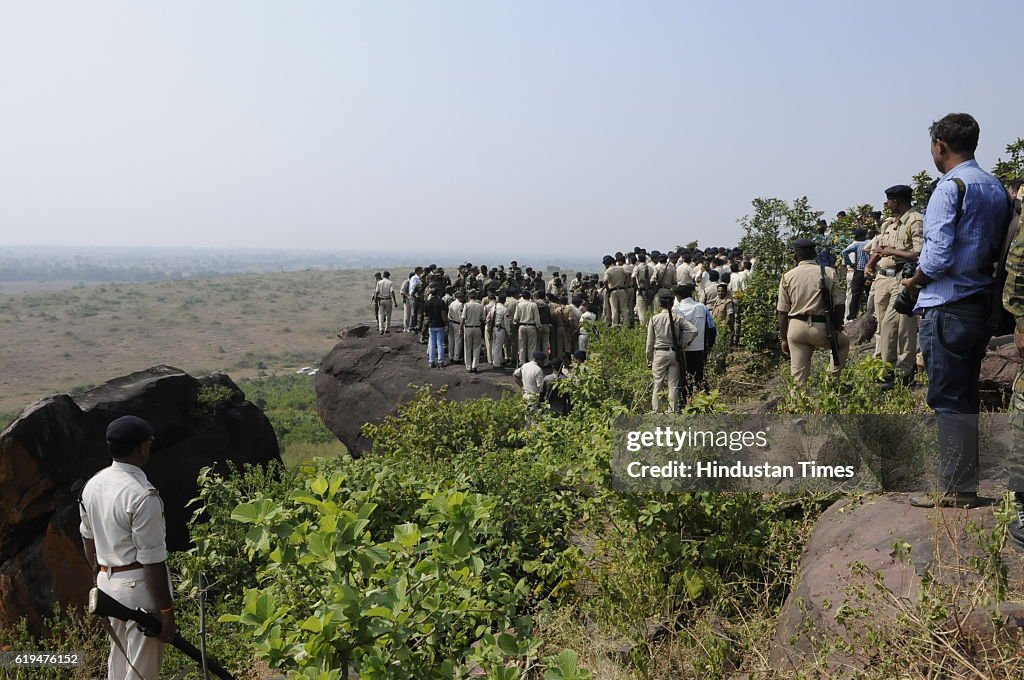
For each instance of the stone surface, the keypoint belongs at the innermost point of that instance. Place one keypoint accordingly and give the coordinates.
(57, 444)
(861, 329)
(999, 369)
(363, 380)
(868, 532)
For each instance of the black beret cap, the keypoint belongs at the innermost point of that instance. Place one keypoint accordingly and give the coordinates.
(803, 243)
(899, 190)
(607, 259)
(539, 356)
(666, 296)
(129, 430)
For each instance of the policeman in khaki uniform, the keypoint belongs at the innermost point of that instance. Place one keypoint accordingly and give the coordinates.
(801, 312)
(384, 295)
(641, 282)
(527, 318)
(454, 327)
(498, 325)
(472, 324)
(124, 536)
(661, 356)
(616, 284)
(899, 242)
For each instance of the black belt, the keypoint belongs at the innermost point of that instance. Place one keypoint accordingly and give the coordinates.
(809, 318)
(116, 570)
(978, 298)
(527, 324)
(887, 272)
(663, 349)
(612, 290)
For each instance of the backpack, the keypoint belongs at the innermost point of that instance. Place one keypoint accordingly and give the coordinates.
(1000, 321)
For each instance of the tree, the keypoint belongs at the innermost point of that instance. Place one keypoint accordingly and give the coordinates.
(921, 182)
(768, 236)
(1013, 168)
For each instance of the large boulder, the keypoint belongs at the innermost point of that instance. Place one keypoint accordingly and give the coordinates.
(880, 536)
(862, 329)
(55, 445)
(362, 380)
(999, 369)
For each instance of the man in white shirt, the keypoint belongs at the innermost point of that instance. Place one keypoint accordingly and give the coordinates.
(696, 350)
(124, 536)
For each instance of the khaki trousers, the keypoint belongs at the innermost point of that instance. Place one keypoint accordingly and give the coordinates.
(384, 309)
(641, 309)
(472, 339)
(498, 346)
(664, 367)
(803, 338)
(543, 340)
(527, 343)
(454, 346)
(897, 332)
(146, 653)
(619, 302)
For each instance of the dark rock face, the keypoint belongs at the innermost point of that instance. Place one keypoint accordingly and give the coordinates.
(363, 380)
(57, 444)
(868, 532)
(999, 369)
(862, 329)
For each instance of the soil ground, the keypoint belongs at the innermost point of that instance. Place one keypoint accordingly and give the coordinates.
(245, 324)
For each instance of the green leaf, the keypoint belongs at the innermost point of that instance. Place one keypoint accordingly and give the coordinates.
(508, 644)
(408, 535)
(245, 512)
(319, 486)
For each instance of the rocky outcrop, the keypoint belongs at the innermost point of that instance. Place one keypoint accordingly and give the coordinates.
(862, 329)
(898, 545)
(998, 371)
(364, 379)
(57, 444)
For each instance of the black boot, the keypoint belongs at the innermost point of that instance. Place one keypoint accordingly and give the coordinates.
(1016, 528)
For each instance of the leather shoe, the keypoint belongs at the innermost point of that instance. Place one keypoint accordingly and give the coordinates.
(957, 499)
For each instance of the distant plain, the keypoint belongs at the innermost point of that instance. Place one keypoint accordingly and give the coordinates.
(248, 325)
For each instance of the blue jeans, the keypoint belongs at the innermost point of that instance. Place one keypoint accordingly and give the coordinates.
(435, 347)
(953, 338)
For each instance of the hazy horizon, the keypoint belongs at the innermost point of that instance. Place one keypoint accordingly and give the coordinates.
(571, 128)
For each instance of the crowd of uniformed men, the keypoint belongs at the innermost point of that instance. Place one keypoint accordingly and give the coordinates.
(502, 315)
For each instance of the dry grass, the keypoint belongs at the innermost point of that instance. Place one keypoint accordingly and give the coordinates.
(55, 341)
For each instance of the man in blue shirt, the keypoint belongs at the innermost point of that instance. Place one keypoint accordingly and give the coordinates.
(954, 277)
(855, 258)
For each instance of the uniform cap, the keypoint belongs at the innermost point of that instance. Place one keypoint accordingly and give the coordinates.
(539, 356)
(607, 259)
(665, 297)
(899, 190)
(129, 430)
(803, 243)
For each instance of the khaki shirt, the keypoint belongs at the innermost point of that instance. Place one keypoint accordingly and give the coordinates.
(659, 332)
(800, 290)
(905, 233)
(510, 308)
(526, 312)
(455, 311)
(123, 514)
(384, 289)
(664, 276)
(615, 277)
(642, 275)
(683, 273)
(473, 314)
(532, 376)
(497, 316)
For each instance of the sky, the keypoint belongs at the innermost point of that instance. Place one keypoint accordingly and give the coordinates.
(524, 127)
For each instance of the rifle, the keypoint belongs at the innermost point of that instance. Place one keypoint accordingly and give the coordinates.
(678, 350)
(102, 604)
(830, 318)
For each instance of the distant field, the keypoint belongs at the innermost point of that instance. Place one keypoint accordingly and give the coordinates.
(246, 324)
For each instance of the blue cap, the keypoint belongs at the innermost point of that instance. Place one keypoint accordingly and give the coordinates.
(129, 430)
(539, 356)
